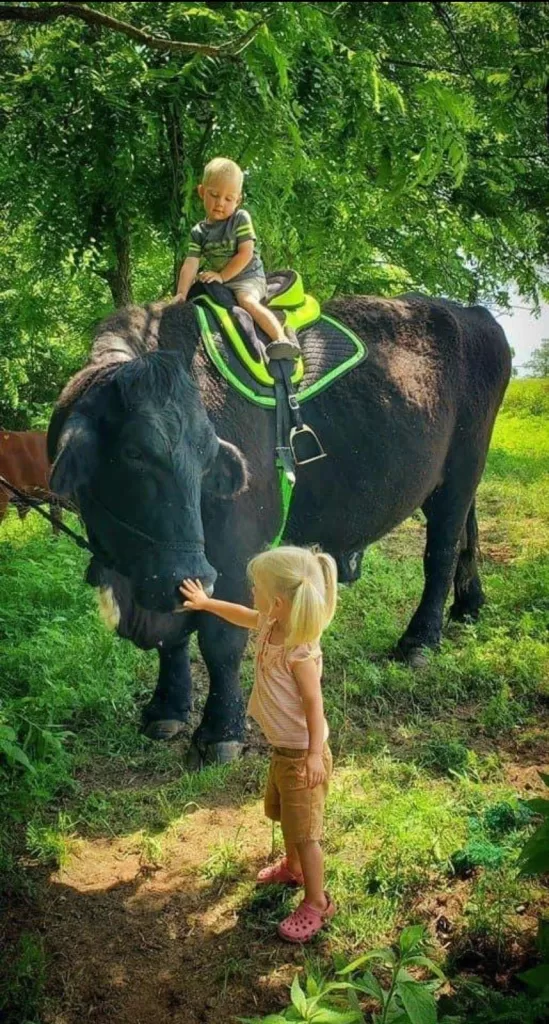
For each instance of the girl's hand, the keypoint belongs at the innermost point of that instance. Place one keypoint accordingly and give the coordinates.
(210, 277)
(316, 772)
(195, 597)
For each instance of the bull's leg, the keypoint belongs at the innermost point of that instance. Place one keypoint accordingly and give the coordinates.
(468, 594)
(168, 711)
(446, 513)
(220, 735)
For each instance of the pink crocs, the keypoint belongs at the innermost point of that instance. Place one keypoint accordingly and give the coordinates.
(278, 874)
(306, 921)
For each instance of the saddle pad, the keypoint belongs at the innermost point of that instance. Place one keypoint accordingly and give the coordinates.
(329, 350)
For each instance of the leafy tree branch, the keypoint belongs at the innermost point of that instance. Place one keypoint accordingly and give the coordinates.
(43, 15)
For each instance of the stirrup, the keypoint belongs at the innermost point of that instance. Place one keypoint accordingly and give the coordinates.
(316, 450)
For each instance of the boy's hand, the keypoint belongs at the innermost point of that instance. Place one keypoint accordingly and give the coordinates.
(210, 277)
(195, 597)
(316, 772)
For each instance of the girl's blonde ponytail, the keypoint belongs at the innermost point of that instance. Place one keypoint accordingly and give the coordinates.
(309, 580)
(329, 572)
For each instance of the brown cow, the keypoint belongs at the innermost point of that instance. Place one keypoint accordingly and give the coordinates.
(24, 463)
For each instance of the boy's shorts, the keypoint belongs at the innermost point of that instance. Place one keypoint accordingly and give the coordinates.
(253, 288)
(289, 800)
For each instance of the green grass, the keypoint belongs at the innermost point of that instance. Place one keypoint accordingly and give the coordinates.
(420, 803)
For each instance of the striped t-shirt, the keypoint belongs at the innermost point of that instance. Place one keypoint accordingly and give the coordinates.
(275, 702)
(215, 243)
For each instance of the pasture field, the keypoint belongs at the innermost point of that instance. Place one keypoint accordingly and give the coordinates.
(128, 884)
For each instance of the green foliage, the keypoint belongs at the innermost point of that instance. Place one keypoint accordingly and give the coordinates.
(400, 997)
(447, 756)
(52, 846)
(538, 366)
(22, 994)
(10, 750)
(535, 855)
(527, 398)
(377, 160)
(477, 1004)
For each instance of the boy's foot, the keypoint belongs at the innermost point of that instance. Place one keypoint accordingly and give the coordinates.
(285, 348)
(279, 874)
(306, 921)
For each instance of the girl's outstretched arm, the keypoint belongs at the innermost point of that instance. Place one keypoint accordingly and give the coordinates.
(196, 600)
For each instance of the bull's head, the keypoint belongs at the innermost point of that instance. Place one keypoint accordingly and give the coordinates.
(136, 455)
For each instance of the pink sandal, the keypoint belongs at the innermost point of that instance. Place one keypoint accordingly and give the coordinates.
(278, 874)
(306, 921)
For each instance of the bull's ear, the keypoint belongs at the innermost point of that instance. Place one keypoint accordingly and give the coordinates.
(228, 476)
(77, 453)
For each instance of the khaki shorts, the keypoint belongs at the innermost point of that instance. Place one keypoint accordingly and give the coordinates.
(254, 288)
(289, 800)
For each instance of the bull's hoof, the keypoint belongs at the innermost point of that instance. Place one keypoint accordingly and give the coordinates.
(201, 755)
(163, 730)
(417, 657)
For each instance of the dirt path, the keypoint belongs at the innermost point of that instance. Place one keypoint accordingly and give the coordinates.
(132, 943)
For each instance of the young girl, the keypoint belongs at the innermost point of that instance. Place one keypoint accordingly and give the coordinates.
(295, 592)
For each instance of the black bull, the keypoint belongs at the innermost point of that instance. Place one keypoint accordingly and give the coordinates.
(173, 473)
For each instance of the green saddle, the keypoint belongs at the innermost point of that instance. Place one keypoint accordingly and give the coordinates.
(236, 346)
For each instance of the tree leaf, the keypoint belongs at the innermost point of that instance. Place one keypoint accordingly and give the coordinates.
(418, 1002)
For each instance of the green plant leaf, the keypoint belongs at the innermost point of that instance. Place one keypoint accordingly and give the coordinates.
(369, 984)
(298, 997)
(537, 979)
(534, 859)
(384, 955)
(15, 755)
(424, 961)
(418, 1002)
(543, 939)
(276, 1019)
(411, 938)
(326, 1016)
(539, 806)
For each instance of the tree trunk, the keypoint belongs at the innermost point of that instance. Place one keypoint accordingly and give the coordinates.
(119, 277)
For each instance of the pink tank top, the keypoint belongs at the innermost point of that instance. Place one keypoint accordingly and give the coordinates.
(275, 702)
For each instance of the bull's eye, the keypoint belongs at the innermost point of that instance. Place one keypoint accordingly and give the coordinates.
(132, 453)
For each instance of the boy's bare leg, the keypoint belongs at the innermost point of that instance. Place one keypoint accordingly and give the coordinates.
(262, 317)
(282, 345)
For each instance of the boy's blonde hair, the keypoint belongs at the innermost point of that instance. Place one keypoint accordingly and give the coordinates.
(305, 577)
(222, 169)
